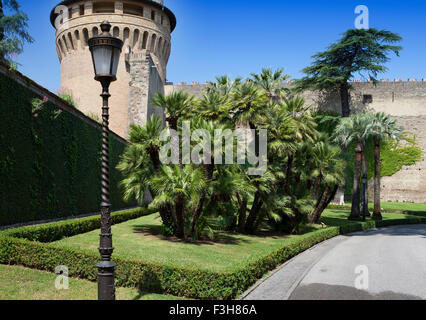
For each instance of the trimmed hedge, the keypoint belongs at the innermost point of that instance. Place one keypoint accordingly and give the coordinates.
(64, 229)
(50, 165)
(16, 248)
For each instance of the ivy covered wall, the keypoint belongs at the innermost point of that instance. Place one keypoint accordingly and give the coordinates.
(50, 159)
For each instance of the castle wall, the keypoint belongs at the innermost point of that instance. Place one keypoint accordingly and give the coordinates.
(405, 101)
(145, 82)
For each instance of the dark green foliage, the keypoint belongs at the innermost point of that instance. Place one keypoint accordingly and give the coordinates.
(16, 249)
(49, 168)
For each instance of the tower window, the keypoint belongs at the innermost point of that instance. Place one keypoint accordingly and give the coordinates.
(153, 15)
(133, 9)
(103, 7)
(367, 98)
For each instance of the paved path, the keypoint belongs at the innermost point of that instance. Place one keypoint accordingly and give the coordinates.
(392, 260)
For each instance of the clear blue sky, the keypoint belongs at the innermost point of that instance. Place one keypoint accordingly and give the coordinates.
(235, 37)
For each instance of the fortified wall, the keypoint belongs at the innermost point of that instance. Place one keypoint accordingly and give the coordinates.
(404, 100)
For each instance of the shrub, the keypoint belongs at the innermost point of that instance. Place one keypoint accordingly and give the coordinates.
(63, 229)
(66, 94)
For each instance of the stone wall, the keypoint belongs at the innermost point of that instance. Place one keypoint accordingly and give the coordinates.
(404, 100)
(145, 82)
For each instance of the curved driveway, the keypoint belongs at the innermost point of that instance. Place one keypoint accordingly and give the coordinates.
(387, 263)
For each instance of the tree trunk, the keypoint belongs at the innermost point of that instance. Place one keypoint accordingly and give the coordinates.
(288, 174)
(355, 210)
(180, 218)
(251, 220)
(344, 97)
(332, 196)
(242, 218)
(198, 213)
(377, 213)
(155, 159)
(256, 138)
(316, 215)
(364, 202)
(259, 220)
(317, 185)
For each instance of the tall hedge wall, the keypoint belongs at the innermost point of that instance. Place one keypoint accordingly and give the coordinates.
(49, 167)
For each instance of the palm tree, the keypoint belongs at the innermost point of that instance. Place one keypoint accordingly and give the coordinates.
(354, 129)
(175, 106)
(383, 127)
(248, 104)
(213, 106)
(329, 171)
(148, 138)
(304, 129)
(223, 85)
(271, 82)
(136, 167)
(178, 187)
(264, 185)
(144, 141)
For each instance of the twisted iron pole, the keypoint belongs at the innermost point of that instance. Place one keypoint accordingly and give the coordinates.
(106, 286)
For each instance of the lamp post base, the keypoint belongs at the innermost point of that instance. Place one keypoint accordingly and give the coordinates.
(106, 285)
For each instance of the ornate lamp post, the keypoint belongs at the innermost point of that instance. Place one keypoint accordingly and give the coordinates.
(105, 51)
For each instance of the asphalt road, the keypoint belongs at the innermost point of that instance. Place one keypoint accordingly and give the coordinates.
(382, 264)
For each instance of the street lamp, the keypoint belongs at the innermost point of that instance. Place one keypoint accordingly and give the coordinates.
(105, 51)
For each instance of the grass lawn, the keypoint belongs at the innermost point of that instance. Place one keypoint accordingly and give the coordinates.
(18, 283)
(139, 239)
(338, 217)
(394, 207)
(400, 206)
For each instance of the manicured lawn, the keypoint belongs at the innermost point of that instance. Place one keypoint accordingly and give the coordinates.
(18, 283)
(418, 209)
(337, 217)
(415, 207)
(135, 239)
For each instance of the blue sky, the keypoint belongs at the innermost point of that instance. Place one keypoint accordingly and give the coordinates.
(235, 37)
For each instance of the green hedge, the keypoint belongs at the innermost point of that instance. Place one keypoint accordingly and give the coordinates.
(152, 277)
(69, 228)
(49, 167)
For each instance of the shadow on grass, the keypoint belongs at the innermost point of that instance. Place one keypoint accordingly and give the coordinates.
(220, 237)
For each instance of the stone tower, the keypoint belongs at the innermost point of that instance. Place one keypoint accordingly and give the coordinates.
(145, 26)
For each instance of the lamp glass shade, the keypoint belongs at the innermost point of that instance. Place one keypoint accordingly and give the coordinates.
(117, 52)
(102, 56)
